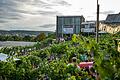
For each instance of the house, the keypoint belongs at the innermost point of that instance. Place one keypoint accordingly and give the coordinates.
(113, 19)
(68, 25)
(111, 24)
(88, 27)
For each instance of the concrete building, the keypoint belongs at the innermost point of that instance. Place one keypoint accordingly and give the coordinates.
(68, 25)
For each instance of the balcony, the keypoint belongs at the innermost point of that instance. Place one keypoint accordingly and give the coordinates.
(87, 29)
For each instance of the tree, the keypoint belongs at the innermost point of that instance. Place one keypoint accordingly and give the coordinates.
(41, 37)
(51, 35)
(27, 38)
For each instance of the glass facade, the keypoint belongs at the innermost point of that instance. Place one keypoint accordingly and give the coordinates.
(69, 22)
(77, 21)
(77, 29)
(60, 21)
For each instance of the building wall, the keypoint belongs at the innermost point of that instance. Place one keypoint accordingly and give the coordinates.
(88, 27)
(119, 46)
(109, 28)
(66, 23)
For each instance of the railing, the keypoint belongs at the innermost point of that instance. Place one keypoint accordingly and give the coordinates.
(87, 29)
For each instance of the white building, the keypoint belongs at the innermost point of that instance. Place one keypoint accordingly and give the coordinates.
(88, 27)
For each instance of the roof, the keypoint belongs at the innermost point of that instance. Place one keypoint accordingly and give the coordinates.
(70, 16)
(88, 22)
(113, 18)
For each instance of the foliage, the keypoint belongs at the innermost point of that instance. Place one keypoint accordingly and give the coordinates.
(16, 38)
(50, 61)
(41, 37)
(51, 35)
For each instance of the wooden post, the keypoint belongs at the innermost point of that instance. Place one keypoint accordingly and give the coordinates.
(97, 23)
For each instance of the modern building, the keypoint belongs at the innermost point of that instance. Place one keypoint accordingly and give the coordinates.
(68, 25)
(88, 27)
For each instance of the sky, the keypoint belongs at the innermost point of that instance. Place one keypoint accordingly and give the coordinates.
(40, 15)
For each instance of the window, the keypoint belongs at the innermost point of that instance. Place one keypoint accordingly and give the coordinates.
(86, 25)
(92, 25)
(77, 21)
(68, 21)
(59, 21)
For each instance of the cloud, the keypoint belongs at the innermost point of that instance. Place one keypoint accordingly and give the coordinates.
(15, 13)
(36, 3)
(14, 9)
(10, 15)
(47, 25)
(48, 12)
(39, 12)
(5, 3)
(89, 16)
(3, 21)
(107, 12)
(8, 11)
(62, 3)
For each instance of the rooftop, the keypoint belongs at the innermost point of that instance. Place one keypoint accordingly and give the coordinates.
(71, 16)
(89, 22)
(113, 18)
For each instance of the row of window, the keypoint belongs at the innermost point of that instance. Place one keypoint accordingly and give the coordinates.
(68, 21)
(89, 26)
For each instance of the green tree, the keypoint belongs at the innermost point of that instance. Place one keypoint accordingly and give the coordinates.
(41, 37)
(51, 35)
(27, 38)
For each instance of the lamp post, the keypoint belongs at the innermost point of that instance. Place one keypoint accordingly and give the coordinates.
(97, 22)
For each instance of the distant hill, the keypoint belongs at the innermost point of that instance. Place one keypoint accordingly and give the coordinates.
(23, 32)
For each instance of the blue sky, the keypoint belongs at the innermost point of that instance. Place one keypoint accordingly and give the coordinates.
(40, 15)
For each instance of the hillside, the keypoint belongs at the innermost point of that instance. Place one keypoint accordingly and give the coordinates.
(23, 32)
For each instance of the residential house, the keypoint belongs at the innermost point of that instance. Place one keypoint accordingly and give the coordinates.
(88, 27)
(111, 24)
